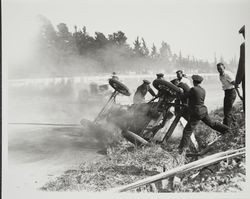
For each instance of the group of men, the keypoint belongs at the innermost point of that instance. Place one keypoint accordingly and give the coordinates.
(195, 97)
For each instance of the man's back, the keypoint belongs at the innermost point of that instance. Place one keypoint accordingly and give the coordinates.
(197, 96)
(140, 93)
(142, 89)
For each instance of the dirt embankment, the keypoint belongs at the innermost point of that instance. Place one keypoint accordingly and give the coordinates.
(125, 164)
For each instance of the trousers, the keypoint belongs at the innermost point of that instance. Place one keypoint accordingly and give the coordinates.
(230, 96)
(193, 121)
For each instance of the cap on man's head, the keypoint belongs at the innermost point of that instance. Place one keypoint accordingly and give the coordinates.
(197, 78)
(242, 30)
(146, 81)
(114, 73)
(160, 75)
(179, 71)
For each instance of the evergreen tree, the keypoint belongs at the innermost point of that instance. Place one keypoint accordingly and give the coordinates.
(137, 48)
(154, 53)
(165, 50)
(63, 32)
(66, 44)
(100, 40)
(144, 48)
(180, 60)
(47, 36)
(81, 38)
(47, 39)
(118, 38)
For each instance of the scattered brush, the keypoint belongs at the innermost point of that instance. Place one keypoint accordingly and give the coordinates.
(209, 160)
(233, 140)
(124, 164)
(225, 176)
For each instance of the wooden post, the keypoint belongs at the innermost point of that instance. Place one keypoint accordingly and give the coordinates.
(172, 127)
(133, 138)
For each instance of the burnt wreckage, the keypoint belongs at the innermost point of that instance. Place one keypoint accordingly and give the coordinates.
(139, 123)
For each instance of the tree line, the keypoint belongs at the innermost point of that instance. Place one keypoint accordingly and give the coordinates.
(61, 52)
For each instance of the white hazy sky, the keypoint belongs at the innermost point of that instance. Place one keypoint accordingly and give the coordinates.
(196, 27)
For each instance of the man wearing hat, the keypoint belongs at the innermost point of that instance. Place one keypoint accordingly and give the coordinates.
(181, 78)
(197, 111)
(160, 76)
(240, 76)
(183, 82)
(114, 76)
(227, 80)
(141, 92)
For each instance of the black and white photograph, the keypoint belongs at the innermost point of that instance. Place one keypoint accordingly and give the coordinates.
(138, 97)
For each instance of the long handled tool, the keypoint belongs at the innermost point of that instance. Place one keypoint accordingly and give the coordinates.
(237, 90)
(238, 93)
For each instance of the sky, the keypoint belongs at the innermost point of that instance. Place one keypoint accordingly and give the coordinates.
(195, 27)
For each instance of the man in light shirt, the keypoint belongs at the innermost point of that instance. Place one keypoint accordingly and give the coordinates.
(181, 78)
(183, 82)
(141, 92)
(227, 80)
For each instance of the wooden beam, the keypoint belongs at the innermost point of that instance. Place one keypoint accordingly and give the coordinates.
(135, 139)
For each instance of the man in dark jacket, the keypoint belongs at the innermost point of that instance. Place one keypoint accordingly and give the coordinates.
(141, 92)
(240, 76)
(197, 111)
